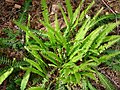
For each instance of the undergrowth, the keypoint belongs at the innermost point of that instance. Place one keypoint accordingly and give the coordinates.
(72, 58)
(13, 40)
(69, 57)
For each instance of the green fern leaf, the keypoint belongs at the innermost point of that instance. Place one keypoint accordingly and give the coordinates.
(91, 87)
(39, 41)
(87, 44)
(6, 74)
(104, 32)
(82, 15)
(69, 10)
(35, 88)
(110, 38)
(77, 12)
(24, 11)
(25, 79)
(34, 64)
(105, 81)
(104, 58)
(45, 11)
(83, 30)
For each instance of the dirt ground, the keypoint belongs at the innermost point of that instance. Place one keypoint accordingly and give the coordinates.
(10, 9)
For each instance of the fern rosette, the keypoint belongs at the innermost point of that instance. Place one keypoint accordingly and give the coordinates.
(75, 54)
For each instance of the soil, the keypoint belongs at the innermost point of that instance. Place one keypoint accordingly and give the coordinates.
(10, 9)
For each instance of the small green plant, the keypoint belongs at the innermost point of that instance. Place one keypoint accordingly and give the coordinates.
(71, 55)
(9, 67)
(13, 39)
(23, 14)
(113, 63)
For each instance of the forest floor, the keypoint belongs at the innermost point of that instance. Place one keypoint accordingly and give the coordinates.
(10, 9)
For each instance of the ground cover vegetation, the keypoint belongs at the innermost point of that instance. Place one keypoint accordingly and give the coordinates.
(62, 58)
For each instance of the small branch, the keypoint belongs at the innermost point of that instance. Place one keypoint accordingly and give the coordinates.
(112, 12)
(109, 7)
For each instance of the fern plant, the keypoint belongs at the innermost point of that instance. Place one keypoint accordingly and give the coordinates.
(9, 67)
(23, 14)
(13, 40)
(73, 55)
(113, 63)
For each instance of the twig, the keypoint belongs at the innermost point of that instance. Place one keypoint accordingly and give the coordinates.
(112, 12)
(109, 7)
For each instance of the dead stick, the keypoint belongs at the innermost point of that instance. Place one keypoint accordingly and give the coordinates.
(109, 7)
(112, 12)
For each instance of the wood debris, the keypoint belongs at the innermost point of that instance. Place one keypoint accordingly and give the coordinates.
(17, 6)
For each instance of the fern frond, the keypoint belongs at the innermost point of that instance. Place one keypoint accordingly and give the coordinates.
(91, 87)
(58, 33)
(104, 19)
(106, 46)
(50, 32)
(113, 63)
(3, 70)
(36, 55)
(76, 13)
(69, 10)
(5, 75)
(84, 84)
(19, 63)
(110, 38)
(87, 44)
(105, 81)
(34, 64)
(10, 40)
(83, 30)
(5, 60)
(39, 41)
(25, 7)
(104, 58)
(108, 17)
(66, 21)
(104, 32)
(83, 14)
(25, 79)
(45, 11)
